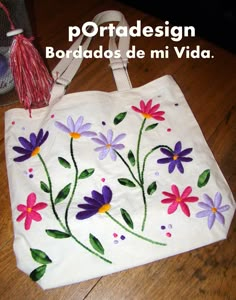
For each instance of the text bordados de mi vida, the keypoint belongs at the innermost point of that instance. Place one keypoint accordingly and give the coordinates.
(90, 29)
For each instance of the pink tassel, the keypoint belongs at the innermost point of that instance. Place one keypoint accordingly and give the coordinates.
(33, 82)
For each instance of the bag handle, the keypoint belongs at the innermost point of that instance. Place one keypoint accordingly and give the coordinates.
(66, 69)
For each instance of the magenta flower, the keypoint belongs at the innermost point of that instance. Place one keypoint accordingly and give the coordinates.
(29, 211)
(76, 129)
(98, 203)
(148, 111)
(30, 147)
(175, 199)
(175, 158)
(212, 209)
(108, 144)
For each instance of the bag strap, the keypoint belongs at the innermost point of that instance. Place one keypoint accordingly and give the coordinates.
(66, 69)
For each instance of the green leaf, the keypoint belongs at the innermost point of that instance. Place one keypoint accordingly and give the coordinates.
(152, 126)
(86, 173)
(38, 273)
(95, 243)
(63, 194)
(131, 158)
(152, 188)
(119, 118)
(44, 187)
(126, 182)
(127, 218)
(64, 162)
(57, 234)
(203, 178)
(40, 256)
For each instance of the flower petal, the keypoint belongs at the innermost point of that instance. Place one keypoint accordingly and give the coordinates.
(178, 147)
(187, 191)
(113, 154)
(109, 136)
(85, 214)
(175, 190)
(21, 207)
(211, 220)
(84, 127)
(148, 106)
(78, 123)
(154, 108)
(118, 138)
(88, 133)
(185, 208)
(167, 152)
(223, 208)
(71, 124)
(99, 141)
(103, 138)
(107, 194)
(171, 166)
(22, 158)
(89, 206)
(208, 200)
(185, 152)
(35, 216)
(62, 127)
(142, 106)
(21, 150)
(172, 208)
(43, 139)
(91, 201)
(33, 140)
(103, 153)
(98, 197)
(136, 109)
(28, 221)
(169, 195)
(204, 205)
(167, 200)
(220, 218)
(203, 213)
(217, 200)
(21, 216)
(118, 147)
(164, 160)
(31, 199)
(25, 143)
(179, 166)
(191, 199)
(40, 205)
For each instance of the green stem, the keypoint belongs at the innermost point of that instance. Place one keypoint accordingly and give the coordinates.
(51, 196)
(145, 207)
(132, 174)
(138, 150)
(89, 250)
(149, 153)
(74, 187)
(134, 233)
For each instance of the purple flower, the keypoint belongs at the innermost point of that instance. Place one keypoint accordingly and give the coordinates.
(98, 203)
(212, 209)
(30, 147)
(108, 144)
(76, 129)
(175, 158)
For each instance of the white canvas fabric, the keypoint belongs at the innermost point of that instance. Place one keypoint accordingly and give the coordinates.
(101, 182)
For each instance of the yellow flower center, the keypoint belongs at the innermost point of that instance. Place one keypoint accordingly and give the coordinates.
(29, 209)
(108, 146)
(75, 135)
(35, 151)
(104, 208)
(178, 199)
(147, 116)
(175, 157)
(214, 210)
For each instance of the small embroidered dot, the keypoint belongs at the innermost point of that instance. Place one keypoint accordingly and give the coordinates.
(115, 235)
(31, 175)
(103, 179)
(170, 226)
(163, 227)
(116, 241)
(103, 123)
(13, 123)
(30, 170)
(122, 237)
(23, 128)
(157, 173)
(176, 104)
(159, 96)
(52, 116)
(168, 234)
(168, 129)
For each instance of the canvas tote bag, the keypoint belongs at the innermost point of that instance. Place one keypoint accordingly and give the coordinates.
(101, 182)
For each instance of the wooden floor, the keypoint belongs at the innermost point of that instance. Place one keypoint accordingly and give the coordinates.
(210, 88)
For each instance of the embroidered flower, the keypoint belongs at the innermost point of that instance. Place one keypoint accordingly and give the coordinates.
(212, 209)
(175, 158)
(98, 203)
(148, 111)
(108, 144)
(76, 129)
(29, 211)
(31, 147)
(175, 199)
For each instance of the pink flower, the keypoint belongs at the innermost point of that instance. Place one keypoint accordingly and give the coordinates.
(29, 211)
(179, 200)
(149, 111)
